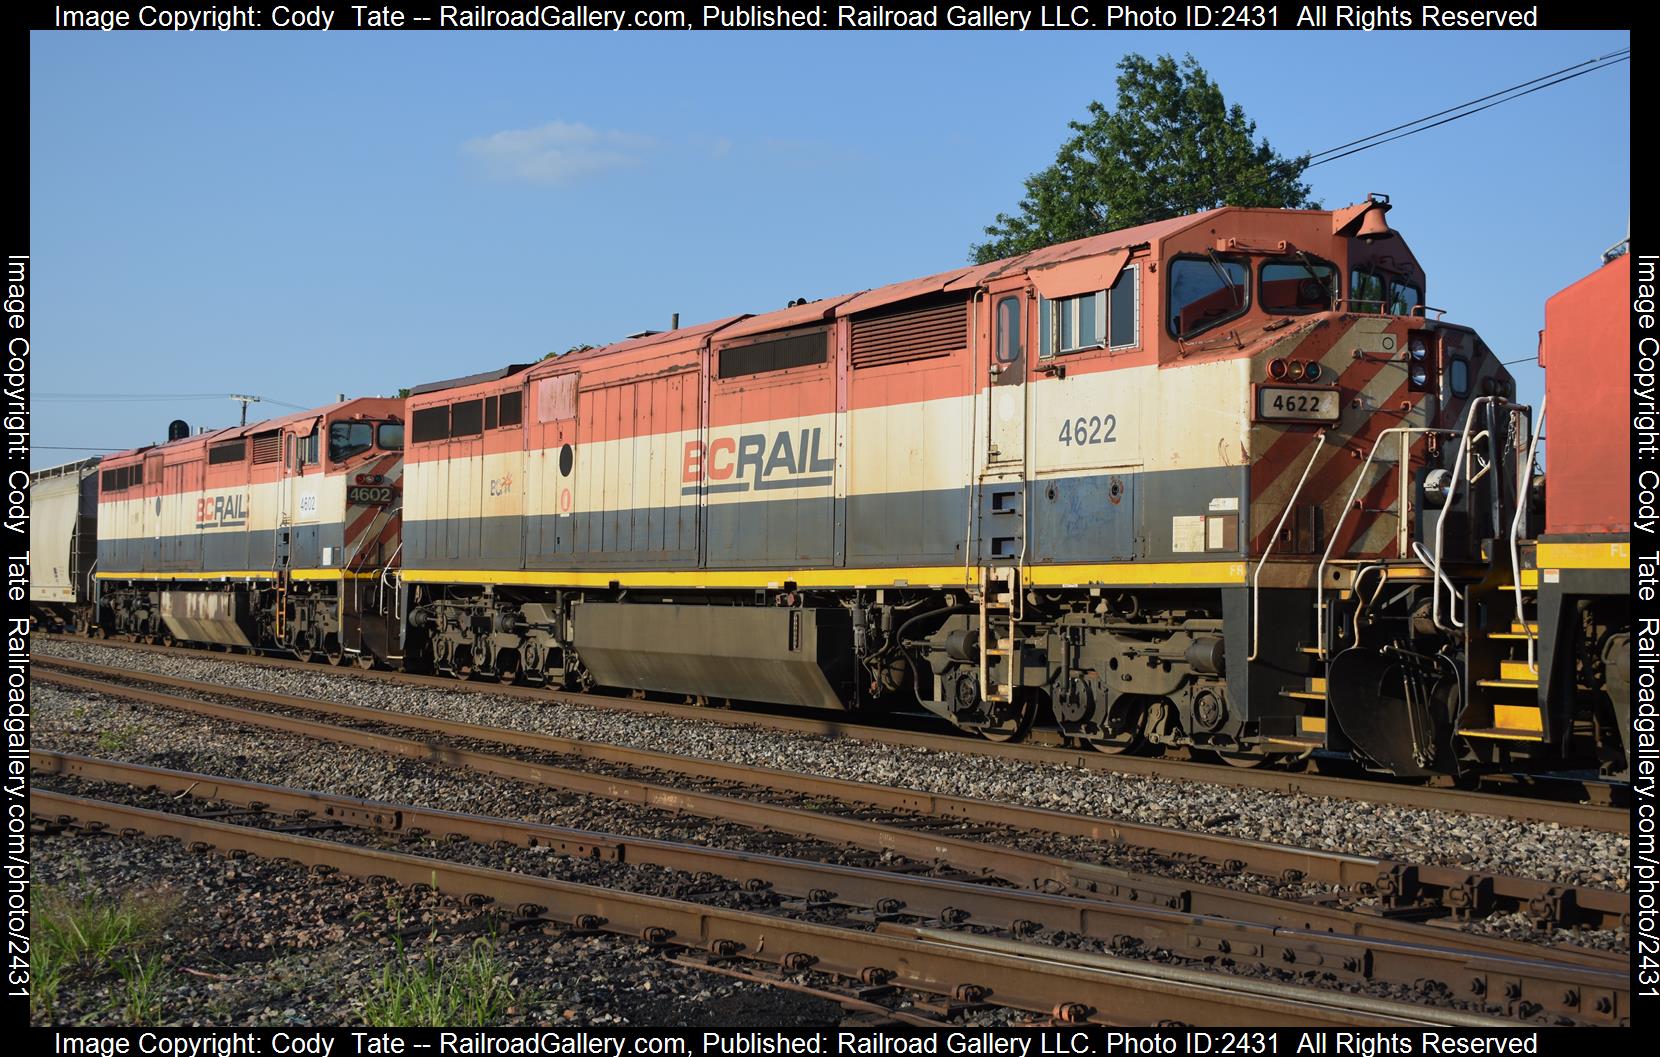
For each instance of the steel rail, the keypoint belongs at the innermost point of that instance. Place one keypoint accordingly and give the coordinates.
(1377, 790)
(1074, 989)
(1539, 980)
(1098, 883)
(1402, 887)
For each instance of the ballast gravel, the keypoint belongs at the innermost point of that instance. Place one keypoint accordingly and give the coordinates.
(1547, 851)
(262, 943)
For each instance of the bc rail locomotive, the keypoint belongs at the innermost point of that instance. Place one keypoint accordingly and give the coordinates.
(280, 534)
(1223, 482)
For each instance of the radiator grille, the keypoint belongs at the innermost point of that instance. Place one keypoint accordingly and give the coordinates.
(267, 447)
(917, 334)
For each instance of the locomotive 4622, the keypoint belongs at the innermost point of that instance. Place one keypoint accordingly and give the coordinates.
(1223, 481)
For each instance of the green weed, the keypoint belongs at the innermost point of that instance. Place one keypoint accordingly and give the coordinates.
(470, 991)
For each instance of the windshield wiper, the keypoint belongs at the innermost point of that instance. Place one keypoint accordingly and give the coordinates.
(1221, 273)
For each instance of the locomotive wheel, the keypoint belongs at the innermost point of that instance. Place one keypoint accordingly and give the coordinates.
(1127, 744)
(1244, 760)
(507, 666)
(1012, 729)
(365, 661)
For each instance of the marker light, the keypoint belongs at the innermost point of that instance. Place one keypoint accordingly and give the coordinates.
(1311, 372)
(1294, 370)
(1276, 369)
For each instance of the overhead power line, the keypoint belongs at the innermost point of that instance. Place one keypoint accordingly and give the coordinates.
(1465, 109)
(99, 398)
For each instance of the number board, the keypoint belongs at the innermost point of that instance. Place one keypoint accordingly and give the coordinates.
(370, 495)
(1299, 403)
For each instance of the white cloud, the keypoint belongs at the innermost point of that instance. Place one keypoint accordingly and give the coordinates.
(559, 152)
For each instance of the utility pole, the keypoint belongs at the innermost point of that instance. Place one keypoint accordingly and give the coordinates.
(245, 400)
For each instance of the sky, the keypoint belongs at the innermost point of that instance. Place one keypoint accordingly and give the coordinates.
(301, 215)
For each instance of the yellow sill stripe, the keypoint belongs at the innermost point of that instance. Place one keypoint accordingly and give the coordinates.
(244, 574)
(1156, 573)
(330, 574)
(1583, 556)
(938, 576)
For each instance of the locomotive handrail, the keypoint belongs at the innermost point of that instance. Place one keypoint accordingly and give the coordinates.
(1256, 577)
(1524, 479)
(1441, 522)
(1348, 504)
(974, 490)
(385, 573)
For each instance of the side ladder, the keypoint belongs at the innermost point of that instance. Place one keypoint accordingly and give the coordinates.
(999, 618)
(279, 566)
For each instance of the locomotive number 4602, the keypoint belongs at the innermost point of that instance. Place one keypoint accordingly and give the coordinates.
(369, 495)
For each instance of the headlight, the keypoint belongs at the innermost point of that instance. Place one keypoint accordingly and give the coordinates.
(1419, 374)
(1418, 349)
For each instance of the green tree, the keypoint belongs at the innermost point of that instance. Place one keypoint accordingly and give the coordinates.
(584, 347)
(1172, 146)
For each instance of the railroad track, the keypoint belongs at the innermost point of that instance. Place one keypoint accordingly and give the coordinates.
(916, 942)
(1592, 804)
(1387, 947)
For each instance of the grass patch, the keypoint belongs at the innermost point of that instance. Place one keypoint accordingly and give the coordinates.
(95, 936)
(116, 739)
(470, 991)
(141, 989)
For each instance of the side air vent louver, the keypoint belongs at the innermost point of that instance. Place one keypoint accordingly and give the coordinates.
(915, 334)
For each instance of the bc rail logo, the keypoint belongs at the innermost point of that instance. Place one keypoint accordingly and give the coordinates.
(786, 459)
(221, 511)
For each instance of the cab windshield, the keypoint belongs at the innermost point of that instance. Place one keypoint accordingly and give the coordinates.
(347, 439)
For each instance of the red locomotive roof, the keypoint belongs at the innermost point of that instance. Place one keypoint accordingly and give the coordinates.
(1040, 261)
(232, 432)
(963, 278)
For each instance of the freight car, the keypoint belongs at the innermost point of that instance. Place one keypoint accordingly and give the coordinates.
(1223, 481)
(279, 535)
(63, 543)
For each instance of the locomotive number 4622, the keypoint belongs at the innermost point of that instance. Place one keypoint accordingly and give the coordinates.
(1089, 429)
(1297, 404)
